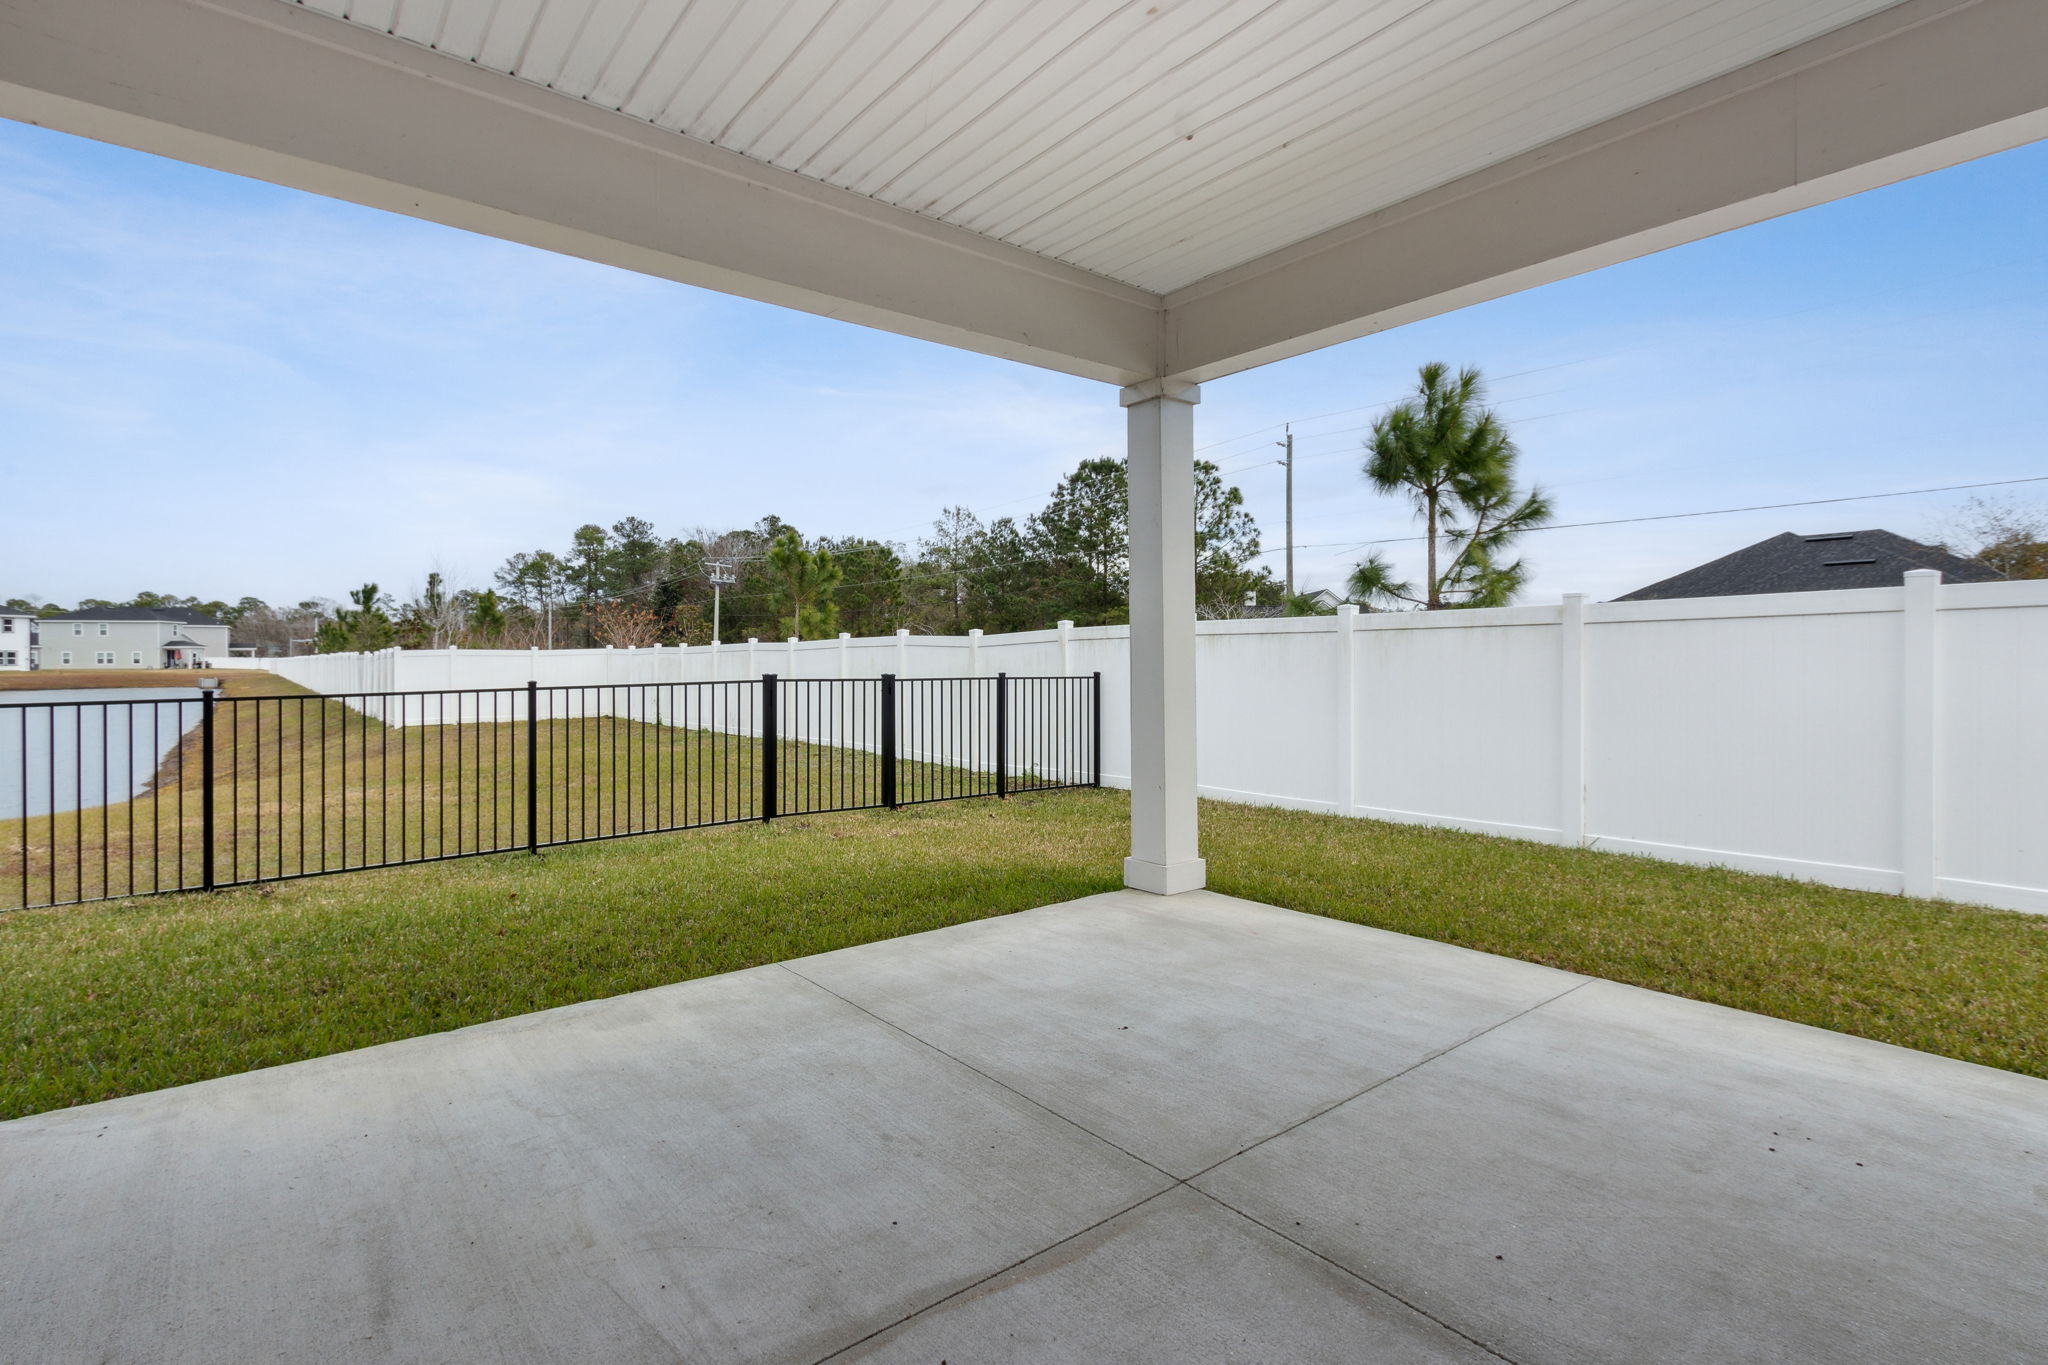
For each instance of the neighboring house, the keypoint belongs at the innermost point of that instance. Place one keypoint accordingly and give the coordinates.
(1790, 563)
(131, 637)
(17, 639)
(1321, 602)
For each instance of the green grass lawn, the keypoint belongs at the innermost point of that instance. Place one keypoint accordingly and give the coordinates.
(105, 1000)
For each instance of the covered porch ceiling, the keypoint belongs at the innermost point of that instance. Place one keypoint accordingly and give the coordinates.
(1174, 190)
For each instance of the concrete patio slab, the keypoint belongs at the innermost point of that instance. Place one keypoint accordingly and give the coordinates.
(1177, 1279)
(1426, 1154)
(1188, 1028)
(1627, 1176)
(738, 1168)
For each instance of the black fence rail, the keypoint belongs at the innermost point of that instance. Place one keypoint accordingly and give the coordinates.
(109, 798)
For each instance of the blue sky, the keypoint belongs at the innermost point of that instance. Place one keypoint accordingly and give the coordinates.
(216, 386)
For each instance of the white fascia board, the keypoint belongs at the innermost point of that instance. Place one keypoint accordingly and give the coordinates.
(283, 94)
(1924, 85)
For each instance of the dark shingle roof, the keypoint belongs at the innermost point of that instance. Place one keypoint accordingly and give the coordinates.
(1790, 563)
(184, 616)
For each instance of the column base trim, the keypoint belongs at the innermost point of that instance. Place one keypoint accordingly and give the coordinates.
(1166, 879)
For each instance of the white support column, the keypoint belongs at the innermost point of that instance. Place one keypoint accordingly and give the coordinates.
(902, 652)
(1345, 731)
(1571, 726)
(1066, 629)
(974, 652)
(1165, 845)
(1919, 706)
(844, 636)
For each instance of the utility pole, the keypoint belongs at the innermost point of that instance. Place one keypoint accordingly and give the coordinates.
(1288, 446)
(721, 573)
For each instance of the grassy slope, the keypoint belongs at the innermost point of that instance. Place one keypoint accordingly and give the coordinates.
(106, 1000)
(303, 784)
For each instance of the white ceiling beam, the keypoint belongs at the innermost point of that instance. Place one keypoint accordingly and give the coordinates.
(285, 95)
(1924, 85)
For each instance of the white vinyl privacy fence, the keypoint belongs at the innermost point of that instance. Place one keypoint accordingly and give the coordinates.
(1891, 739)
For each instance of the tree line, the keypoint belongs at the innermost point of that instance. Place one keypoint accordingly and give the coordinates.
(629, 585)
(1443, 449)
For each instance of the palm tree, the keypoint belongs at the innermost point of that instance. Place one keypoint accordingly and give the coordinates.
(1456, 462)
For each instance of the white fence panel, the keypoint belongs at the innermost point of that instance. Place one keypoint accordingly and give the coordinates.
(1991, 770)
(1767, 740)
(1457, 722)
(1268, 710)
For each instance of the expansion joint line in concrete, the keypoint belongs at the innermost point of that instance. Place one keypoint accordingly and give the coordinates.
(1036, 1104)
(1340, 1267)
(1391, 1076)
(1178, 1181)
(997, 1273)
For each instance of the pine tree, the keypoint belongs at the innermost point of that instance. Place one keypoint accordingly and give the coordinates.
(1455, 461)
(802, 585)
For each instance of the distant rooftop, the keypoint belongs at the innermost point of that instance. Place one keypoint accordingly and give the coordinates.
(184, 616)
(1814, 563)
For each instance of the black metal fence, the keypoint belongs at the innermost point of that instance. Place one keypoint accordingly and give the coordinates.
(112, 798)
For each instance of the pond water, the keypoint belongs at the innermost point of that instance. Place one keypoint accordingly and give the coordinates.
(83, 747)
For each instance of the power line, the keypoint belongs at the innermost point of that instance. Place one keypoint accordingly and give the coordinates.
(1711, 512)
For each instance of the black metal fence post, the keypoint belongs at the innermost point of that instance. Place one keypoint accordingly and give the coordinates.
(206, 698)
(1003, 736)
(889, 740)
(1095, 728)
(770, 750)
(532, 766)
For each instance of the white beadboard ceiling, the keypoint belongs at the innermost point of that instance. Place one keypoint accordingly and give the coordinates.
(1155, 142)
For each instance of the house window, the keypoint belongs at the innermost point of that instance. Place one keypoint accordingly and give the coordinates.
(104, 656)
(103, 627)
(8, 659)
(65, 657)
(6, 625)
(135, 658)
(78, 628)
